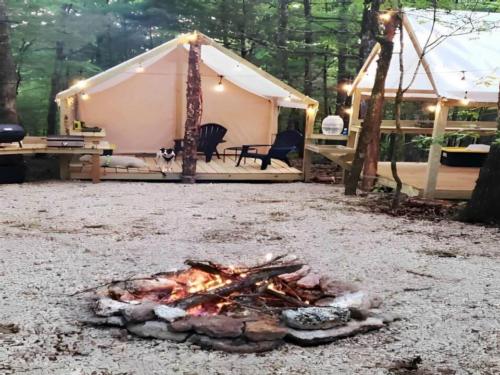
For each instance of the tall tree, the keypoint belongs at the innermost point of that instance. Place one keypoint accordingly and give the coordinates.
(484, 205)
(8, 78)
(193, 114)
(308, 41)
(282, 39)
(369, 23)
(370, 130)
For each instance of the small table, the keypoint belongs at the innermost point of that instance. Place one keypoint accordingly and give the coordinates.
(237, 150)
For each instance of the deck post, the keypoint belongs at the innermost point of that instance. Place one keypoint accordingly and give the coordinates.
(433, 162)
(354, 118)
(311, 112)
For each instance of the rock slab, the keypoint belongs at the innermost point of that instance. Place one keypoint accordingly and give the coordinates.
(323, 336)
(218, 326)
(106, 307)
(140, 313)
(234, 345)
(157, 330)
(264, 331)
(169, 313)
(310, 318)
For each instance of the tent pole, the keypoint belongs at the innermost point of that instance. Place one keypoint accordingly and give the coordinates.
(433, 162)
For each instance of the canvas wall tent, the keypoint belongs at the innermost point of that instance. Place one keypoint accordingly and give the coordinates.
(462, 57)
(459, 66)
(141, 103)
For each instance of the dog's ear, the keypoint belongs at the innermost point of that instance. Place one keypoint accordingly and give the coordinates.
(162, 149)
(170, 150)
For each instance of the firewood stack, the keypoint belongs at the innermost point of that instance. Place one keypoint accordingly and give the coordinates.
(239, 308)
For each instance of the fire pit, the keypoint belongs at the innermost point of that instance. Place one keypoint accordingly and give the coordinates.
(239, 308)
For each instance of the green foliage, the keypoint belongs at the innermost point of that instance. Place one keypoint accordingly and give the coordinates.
(97, 35)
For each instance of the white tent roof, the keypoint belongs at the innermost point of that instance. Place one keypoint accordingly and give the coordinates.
(224, 62)
(462, 56)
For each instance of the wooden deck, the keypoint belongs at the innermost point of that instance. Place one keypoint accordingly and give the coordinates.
(452, 182)
(216, 170)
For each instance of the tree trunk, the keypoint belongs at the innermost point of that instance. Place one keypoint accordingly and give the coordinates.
(370, 131)
(368, 24)
(243, 30)
(224, 23)
(342, 75)
(397, 139)
(56, 85)
(193, 114)
(326, 96)
(308, 40)
(8, 78)
(484, 205)
(282, 39)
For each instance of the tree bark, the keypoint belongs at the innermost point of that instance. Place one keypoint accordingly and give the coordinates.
(484, 205)
(193, 114)
(342, 75)
(308, 40)
(368, 24)
(282, 39)
(370, 131)
(8, 77)
(56, 85)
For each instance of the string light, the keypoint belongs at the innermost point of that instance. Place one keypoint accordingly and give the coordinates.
(385, 17)
(81, 84)
(431, 108)
(347, 87)
(465, 101)
(288, 98)
(220, 85)
(311, 110)
(348, 111)
(238, 68)
(193, 37)
(140, 68)
(85, 96)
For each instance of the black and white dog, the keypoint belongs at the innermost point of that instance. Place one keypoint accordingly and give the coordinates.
(165, 158)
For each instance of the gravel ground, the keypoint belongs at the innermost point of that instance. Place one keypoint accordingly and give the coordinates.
(58, 238)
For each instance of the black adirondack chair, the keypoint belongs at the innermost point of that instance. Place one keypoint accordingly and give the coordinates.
(210, 137)
(285, 142)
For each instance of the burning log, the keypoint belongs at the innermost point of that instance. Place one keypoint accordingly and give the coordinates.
(238, 308)
(234, 286)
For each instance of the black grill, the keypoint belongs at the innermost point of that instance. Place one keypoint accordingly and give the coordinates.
(11, 133)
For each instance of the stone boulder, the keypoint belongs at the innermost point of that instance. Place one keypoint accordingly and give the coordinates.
(323, 336)
(157, 330)
(218, 326)
(168, 313)
(106, 307)
(263, 330)
(140, 313)
(310, 318)
(234, 345)
(334, 288)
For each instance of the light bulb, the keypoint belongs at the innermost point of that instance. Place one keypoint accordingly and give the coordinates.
(85, 96)
(385, 17)
(81, 84)
(288, 98)
(347, 87)
(140, 69)
(431, 108)
(219, 87)
(348, 111)
(465, 101)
